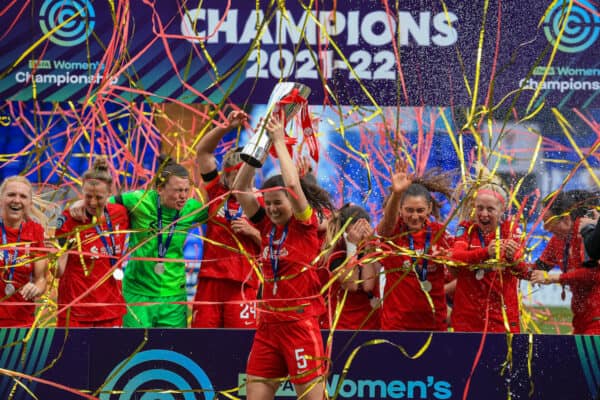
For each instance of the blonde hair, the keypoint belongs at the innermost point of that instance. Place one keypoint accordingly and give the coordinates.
(481, 180)
(38, 205)
(232, 157)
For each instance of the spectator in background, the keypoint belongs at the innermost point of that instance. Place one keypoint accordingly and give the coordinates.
(566, 250)
(90, 274)
(227, 284)
(24, 264)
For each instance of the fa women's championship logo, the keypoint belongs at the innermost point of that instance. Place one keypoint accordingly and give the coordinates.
(67, 22)
(156, 372)
(580, 26)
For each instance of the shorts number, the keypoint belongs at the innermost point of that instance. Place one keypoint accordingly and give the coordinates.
(247, 310)
(301, 362)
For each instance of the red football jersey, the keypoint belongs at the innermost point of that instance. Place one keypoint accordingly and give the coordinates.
(83, 271)
(357, 312)
(219, 260)
(32, 235)
(405, 304)
(584, 282)
(477, 300)
(296, 293)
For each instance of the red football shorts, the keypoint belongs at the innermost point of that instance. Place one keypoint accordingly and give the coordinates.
(224, 304)
(288, 348)
(75, 323)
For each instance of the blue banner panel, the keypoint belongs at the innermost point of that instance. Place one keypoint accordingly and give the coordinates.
(204, 364)
(350, 52)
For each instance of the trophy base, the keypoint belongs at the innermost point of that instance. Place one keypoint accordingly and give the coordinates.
(249, 159)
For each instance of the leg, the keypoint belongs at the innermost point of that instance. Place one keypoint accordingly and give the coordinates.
(265, 365)
(313, 390)
(172, 312)
(260, 388)
(240, 308)
(208, 311)
(305, 357)
(138, 316)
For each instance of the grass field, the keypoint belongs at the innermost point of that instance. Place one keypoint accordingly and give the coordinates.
(550, 320)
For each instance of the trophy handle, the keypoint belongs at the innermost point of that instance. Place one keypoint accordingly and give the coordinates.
(256, 150)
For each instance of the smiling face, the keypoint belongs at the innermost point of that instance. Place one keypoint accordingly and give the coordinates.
(95, 196)
(15, 202)
(488, 211)
(415, 211)
(278, 206)
(174, 194)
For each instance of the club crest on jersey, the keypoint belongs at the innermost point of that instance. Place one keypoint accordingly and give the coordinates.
(282, 253)
(60, 221)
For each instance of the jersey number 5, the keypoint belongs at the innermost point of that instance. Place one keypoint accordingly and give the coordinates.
(300, 358)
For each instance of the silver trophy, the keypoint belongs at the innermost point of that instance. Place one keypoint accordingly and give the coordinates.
(255, 151)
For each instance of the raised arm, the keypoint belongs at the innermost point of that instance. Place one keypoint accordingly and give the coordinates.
(243, 190)
(400, 182)
(208, 143)
(288, 169)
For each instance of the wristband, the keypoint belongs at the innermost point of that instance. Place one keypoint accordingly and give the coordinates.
(546, 277)
(350, 247)
(304, 215)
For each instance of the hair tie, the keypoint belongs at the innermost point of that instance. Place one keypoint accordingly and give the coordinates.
(492, 193)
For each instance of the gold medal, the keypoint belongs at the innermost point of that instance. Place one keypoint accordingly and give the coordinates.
(159, 268)
(118, 274)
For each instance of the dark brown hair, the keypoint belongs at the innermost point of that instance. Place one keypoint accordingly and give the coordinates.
(317, 197)
(435, 180)
(168, 168)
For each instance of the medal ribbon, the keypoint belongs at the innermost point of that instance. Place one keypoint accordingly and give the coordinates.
(294, 97)
(11, 270)
(162, 248)
(482, 241)
(112, 249)
(481, 237)
(275, 256)
(422, 270)
(565, 262)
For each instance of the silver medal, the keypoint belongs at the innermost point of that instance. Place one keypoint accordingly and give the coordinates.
(426, 285)
(118, 274)
(479, 274)
(9, 289)
(159, 268)
(275, 288)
